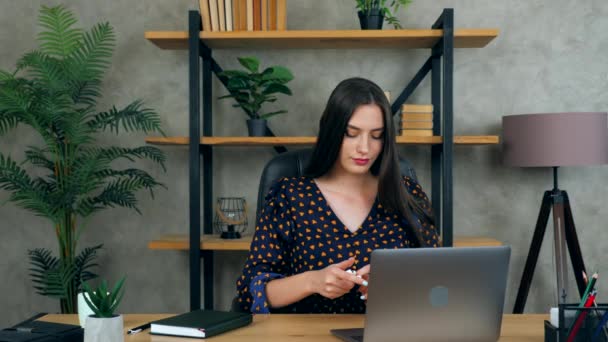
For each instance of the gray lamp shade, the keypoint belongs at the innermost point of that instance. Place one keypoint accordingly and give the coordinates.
(555, 139)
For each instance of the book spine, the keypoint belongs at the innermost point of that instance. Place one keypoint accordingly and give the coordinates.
(264, 10)
(229, 12)
(281, 15)
(242, 15)
(249, 15)
(205, 15)
(411, 108)
(257, 15)
(272, 15)
(236, 19)
(215, 20)
(222, 14)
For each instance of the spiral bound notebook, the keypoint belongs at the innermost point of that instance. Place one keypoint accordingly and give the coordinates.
(200, 323)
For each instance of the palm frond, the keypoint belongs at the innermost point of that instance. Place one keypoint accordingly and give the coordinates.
(84, 262)
(60, 38)
(120, 193)
(71, 124)
(8, 118)
(8, 121)
(33, 195)
(134, 117)
(50, 276)
(15, 97)
(81, 180)
(142, 152)
(37, 156)
(5, 76)
(44, 68)
(141, 176)
(42, 260)
(92, 58)
(85, 92)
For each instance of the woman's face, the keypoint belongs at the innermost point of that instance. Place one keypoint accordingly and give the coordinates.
(363, 140)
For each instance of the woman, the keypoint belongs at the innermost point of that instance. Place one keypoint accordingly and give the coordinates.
(312, 244)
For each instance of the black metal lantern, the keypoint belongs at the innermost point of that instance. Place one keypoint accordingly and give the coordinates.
(230, 217)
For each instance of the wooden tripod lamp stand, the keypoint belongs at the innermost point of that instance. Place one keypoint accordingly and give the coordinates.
(554, 140)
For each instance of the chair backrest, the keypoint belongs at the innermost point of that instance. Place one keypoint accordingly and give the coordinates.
(293, 164)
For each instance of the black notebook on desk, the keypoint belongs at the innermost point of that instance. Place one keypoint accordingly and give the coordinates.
(200, 323)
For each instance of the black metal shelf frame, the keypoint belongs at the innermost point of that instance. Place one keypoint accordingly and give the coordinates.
(440, 64)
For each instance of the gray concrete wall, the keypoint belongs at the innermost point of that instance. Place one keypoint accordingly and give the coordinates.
(549, 56)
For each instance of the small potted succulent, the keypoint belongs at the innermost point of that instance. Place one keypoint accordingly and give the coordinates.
(251, 88)
(104, 325)
(373, 12)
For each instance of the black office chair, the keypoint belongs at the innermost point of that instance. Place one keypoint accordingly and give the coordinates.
(293, 164)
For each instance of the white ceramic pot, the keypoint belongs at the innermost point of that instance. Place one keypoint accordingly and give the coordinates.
(104, 329)
(84, 310)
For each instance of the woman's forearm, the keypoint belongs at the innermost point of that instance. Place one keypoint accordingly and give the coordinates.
(285, 291)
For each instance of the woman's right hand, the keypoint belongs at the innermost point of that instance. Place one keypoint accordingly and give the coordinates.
(333, 281)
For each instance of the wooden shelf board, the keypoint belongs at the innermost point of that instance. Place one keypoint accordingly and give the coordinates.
(214, 242)
(294, 141)
(208, 242)
(323, 39)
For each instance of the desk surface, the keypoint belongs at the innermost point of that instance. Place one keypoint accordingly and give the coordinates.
(302, 328)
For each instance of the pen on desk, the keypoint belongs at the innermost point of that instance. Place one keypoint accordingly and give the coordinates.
(138, 329)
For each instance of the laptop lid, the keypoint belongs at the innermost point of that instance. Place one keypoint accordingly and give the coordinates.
(436, 294)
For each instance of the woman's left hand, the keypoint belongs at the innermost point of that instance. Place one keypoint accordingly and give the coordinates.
(364, 272)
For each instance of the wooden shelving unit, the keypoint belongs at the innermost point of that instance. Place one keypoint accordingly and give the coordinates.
(323, 39)
(215, 243)
(295, 141)
(440, 40)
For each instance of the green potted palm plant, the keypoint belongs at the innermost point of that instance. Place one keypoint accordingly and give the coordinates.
(373, 12)
(70, 176)
(251, 88)
(104, 325)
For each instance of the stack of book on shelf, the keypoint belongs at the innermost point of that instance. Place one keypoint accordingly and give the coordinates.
(243, 15)
(416, 120)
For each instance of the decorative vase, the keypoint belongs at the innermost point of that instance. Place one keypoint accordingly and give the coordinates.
(371, 20)
(104, 329)
(257, 127)
(84, 310)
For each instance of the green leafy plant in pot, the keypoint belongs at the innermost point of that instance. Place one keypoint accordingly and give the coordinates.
(104, 324)
(251, 88)
(54, 91)
(373, 12)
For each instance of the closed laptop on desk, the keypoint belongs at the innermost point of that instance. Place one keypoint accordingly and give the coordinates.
(434, 294)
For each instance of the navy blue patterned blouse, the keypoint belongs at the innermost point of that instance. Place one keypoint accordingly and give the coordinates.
(297, 231)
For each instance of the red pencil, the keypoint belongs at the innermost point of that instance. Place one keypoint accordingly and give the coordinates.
(581, 317)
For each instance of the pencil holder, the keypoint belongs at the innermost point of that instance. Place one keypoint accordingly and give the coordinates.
(584, 324)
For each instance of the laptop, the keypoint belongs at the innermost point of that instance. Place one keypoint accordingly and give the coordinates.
(434, 294)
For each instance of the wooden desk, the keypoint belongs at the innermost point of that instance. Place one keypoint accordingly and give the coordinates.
(302, 328)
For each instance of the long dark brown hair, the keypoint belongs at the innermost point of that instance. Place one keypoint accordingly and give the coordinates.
(343, 101)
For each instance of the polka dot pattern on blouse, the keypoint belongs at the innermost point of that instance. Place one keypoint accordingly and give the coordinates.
(297, 231)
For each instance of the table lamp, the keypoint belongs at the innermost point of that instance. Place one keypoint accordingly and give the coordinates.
(554, 140)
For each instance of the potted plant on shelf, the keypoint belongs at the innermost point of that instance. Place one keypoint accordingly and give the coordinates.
(251, 89)
(54, 90)
(373, 12)
(104, 325)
